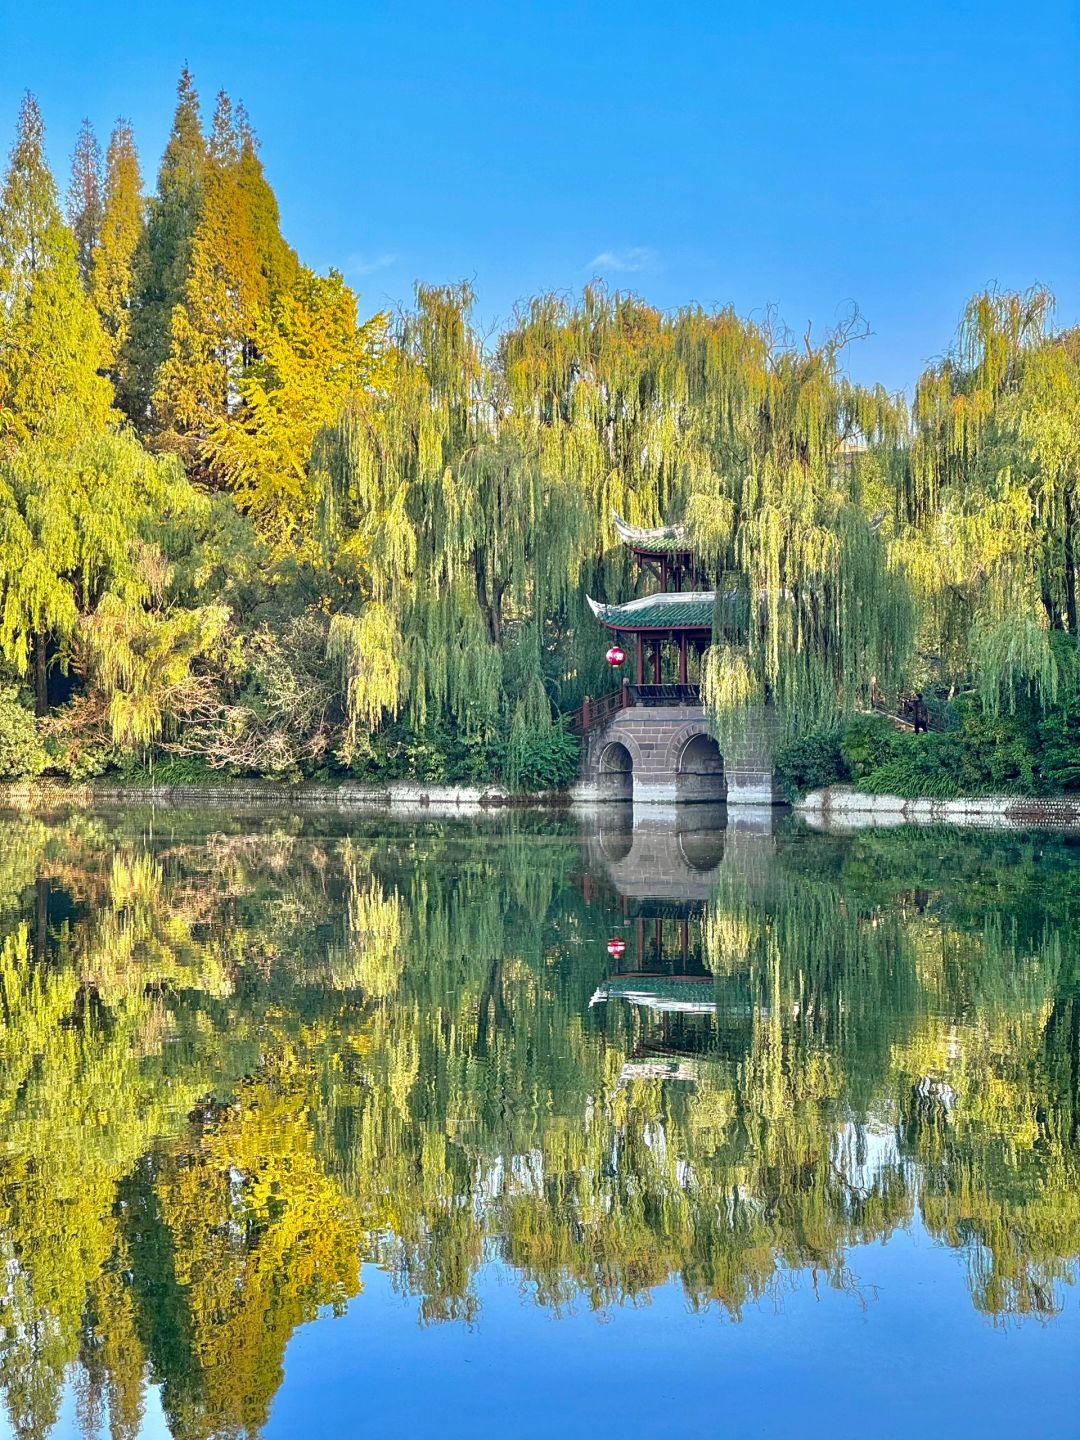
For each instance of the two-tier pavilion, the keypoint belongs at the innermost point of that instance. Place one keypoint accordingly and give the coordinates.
(674, 616)
(650, 740)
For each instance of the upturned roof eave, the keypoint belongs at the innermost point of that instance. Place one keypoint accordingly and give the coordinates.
(659, 540)
(623, 628)
(650, 609)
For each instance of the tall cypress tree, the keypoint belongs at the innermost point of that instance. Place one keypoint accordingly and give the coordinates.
(238, 259)
(50, 390)
(85, 199)
(164, 252)
(278, 260)
(50, 339)
(113, 278)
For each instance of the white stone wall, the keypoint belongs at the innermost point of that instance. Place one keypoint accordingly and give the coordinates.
(842, 807)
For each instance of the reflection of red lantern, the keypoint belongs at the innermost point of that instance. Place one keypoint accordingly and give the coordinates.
(616, 946)
(616, 655)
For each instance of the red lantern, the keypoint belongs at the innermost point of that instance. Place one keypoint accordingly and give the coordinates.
(616, 655)
(616, 947)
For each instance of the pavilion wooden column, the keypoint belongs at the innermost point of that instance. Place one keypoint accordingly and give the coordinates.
(656, 662)
(682, 660)
(639, 660)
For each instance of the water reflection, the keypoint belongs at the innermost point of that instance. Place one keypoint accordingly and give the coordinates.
(239, 1067)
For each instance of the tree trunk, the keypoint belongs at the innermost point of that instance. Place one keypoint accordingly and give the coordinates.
(490, 607)
(41, 676)
(1070, 565)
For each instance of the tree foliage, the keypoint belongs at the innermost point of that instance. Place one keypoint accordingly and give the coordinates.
(50, 339)
(112, 284)
(435, 504)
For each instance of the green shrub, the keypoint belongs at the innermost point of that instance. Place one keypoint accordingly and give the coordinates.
(868, 742)
(171, 770)
(545, 759)
(22, 753)
(1059, 744)
(979, 754)
(810, 762)
(439, 753)
(79, 762)
(918, 768)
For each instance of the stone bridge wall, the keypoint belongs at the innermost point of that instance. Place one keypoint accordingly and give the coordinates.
(666, 765)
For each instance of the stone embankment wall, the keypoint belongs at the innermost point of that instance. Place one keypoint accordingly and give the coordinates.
(841, 807)
(253, 794)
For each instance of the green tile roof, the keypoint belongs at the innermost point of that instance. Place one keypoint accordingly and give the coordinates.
(662, 540)
(689, 610)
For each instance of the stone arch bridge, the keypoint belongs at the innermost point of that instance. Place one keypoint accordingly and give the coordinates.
(651, 744)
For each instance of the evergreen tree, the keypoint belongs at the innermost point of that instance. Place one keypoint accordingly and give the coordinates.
(51, 345)
(163, 256)
(86, 199)
(277, 259)
(228, 291)
(113, 280)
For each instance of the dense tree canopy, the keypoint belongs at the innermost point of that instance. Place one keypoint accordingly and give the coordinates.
(366, 544)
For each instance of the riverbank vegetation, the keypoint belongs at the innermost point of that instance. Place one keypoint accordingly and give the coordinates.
(245, 532)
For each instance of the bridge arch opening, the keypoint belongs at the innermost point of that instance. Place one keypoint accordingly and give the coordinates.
(615, 774)
(699, 771)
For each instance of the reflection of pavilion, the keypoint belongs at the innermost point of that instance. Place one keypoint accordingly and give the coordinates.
(667, 994)
(664, 868)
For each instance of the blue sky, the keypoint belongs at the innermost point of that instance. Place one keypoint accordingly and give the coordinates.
(791, 154)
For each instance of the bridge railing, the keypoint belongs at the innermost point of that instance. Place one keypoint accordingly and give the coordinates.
(901, 711)
(599, 711)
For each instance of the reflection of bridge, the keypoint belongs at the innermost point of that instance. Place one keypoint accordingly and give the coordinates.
(675, 860)
(668, 862)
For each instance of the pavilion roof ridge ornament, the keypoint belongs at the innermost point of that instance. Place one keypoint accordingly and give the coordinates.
(657, 538)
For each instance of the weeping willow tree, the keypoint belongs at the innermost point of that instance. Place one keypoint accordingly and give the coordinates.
(474, 501)
(439, 519)
(988, 503)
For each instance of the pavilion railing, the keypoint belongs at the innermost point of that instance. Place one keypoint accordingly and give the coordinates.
(665, 694)
(599, 711)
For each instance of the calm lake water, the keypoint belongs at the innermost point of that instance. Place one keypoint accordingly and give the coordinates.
(362, 1127)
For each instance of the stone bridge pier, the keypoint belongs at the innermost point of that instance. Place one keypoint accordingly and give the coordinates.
(664, 754)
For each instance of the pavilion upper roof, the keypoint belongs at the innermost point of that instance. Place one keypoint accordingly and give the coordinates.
(662, 540)
(670, 610)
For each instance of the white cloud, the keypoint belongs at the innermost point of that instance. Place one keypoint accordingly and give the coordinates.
(368, 264)
(637, 257)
